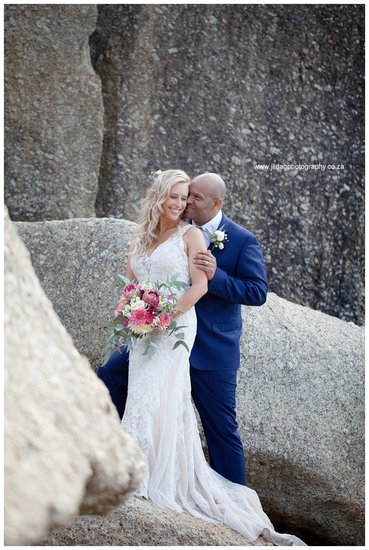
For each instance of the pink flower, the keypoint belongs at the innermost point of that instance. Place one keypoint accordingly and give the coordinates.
(138, 317)
(118, 313)
(149, 317)
(131, 289)
(151, 297)
(164, 320)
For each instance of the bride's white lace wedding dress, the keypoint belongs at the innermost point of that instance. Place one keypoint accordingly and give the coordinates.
(159, 416)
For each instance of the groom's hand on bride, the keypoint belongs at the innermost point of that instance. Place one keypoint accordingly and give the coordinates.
(206, 262)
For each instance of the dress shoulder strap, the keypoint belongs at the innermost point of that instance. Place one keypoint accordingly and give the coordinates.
(182, 230)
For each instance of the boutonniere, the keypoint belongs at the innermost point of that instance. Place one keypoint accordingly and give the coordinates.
(218, 238)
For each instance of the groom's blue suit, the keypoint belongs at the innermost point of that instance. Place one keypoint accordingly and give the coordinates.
(240, 278)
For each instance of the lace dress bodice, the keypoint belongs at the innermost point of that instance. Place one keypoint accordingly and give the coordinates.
(168, 258)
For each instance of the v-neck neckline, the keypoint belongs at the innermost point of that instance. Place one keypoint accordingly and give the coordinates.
(159, 245)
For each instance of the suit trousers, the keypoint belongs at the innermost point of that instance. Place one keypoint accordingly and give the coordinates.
(214, 395)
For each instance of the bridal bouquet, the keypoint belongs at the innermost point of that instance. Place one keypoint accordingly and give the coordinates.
(144, 309)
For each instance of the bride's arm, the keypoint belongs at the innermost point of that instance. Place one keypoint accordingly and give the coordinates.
(199, 281)
(130, 275)
(129, 272)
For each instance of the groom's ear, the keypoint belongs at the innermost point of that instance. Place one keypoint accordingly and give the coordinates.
(218, 203)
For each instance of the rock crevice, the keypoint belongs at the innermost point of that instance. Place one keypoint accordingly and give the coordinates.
(227, 88)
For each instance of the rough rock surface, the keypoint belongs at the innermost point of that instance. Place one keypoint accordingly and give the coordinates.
(65, 452)
(301, 416)
(53, 112)
(141, 523)
(301, 382)
(226, 87)
(76, 262)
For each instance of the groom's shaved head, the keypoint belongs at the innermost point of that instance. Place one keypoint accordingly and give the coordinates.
(207, 192)
(213, 183)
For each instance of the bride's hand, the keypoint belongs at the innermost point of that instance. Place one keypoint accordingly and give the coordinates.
(177, 312)
(206, 262)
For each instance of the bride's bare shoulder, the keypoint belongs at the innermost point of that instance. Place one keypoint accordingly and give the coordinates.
(188, 229)
(194, 237)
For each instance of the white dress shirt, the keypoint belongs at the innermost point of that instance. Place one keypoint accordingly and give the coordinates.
(211, 226)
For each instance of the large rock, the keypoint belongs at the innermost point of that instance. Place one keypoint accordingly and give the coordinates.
(300, 393)
(301, 416)
(65, 452)
(224, 88)
(141, 523)
(85, 255)
(53, 112)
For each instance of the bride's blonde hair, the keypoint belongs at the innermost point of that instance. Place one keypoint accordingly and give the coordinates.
(156, 195)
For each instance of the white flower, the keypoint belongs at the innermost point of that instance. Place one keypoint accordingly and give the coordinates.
(219, 236)
(141, 329)
(136, 303)
(146, 286)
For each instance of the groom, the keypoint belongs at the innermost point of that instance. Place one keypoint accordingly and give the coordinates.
(236, 275)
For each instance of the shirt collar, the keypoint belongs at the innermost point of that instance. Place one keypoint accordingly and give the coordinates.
(213, 224)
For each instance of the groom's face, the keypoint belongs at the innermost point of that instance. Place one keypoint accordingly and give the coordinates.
(201, 205)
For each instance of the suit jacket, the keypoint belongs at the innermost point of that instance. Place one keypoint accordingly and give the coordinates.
(240, 278)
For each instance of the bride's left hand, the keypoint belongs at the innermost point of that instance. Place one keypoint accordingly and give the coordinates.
(206, 262)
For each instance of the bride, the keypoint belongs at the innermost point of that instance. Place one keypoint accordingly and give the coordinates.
(159, 414)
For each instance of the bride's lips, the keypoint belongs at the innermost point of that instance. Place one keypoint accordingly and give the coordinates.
(176, 212)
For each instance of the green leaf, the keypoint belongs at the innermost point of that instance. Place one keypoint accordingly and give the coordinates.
(118, 320)
(180, 285)
(150, 348)
(120, 282)
(181, 343)
(106, 356)
(172, 326)
(129, 345)
(106, 348)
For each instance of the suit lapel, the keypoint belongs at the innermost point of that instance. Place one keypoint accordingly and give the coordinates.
(224, 222)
